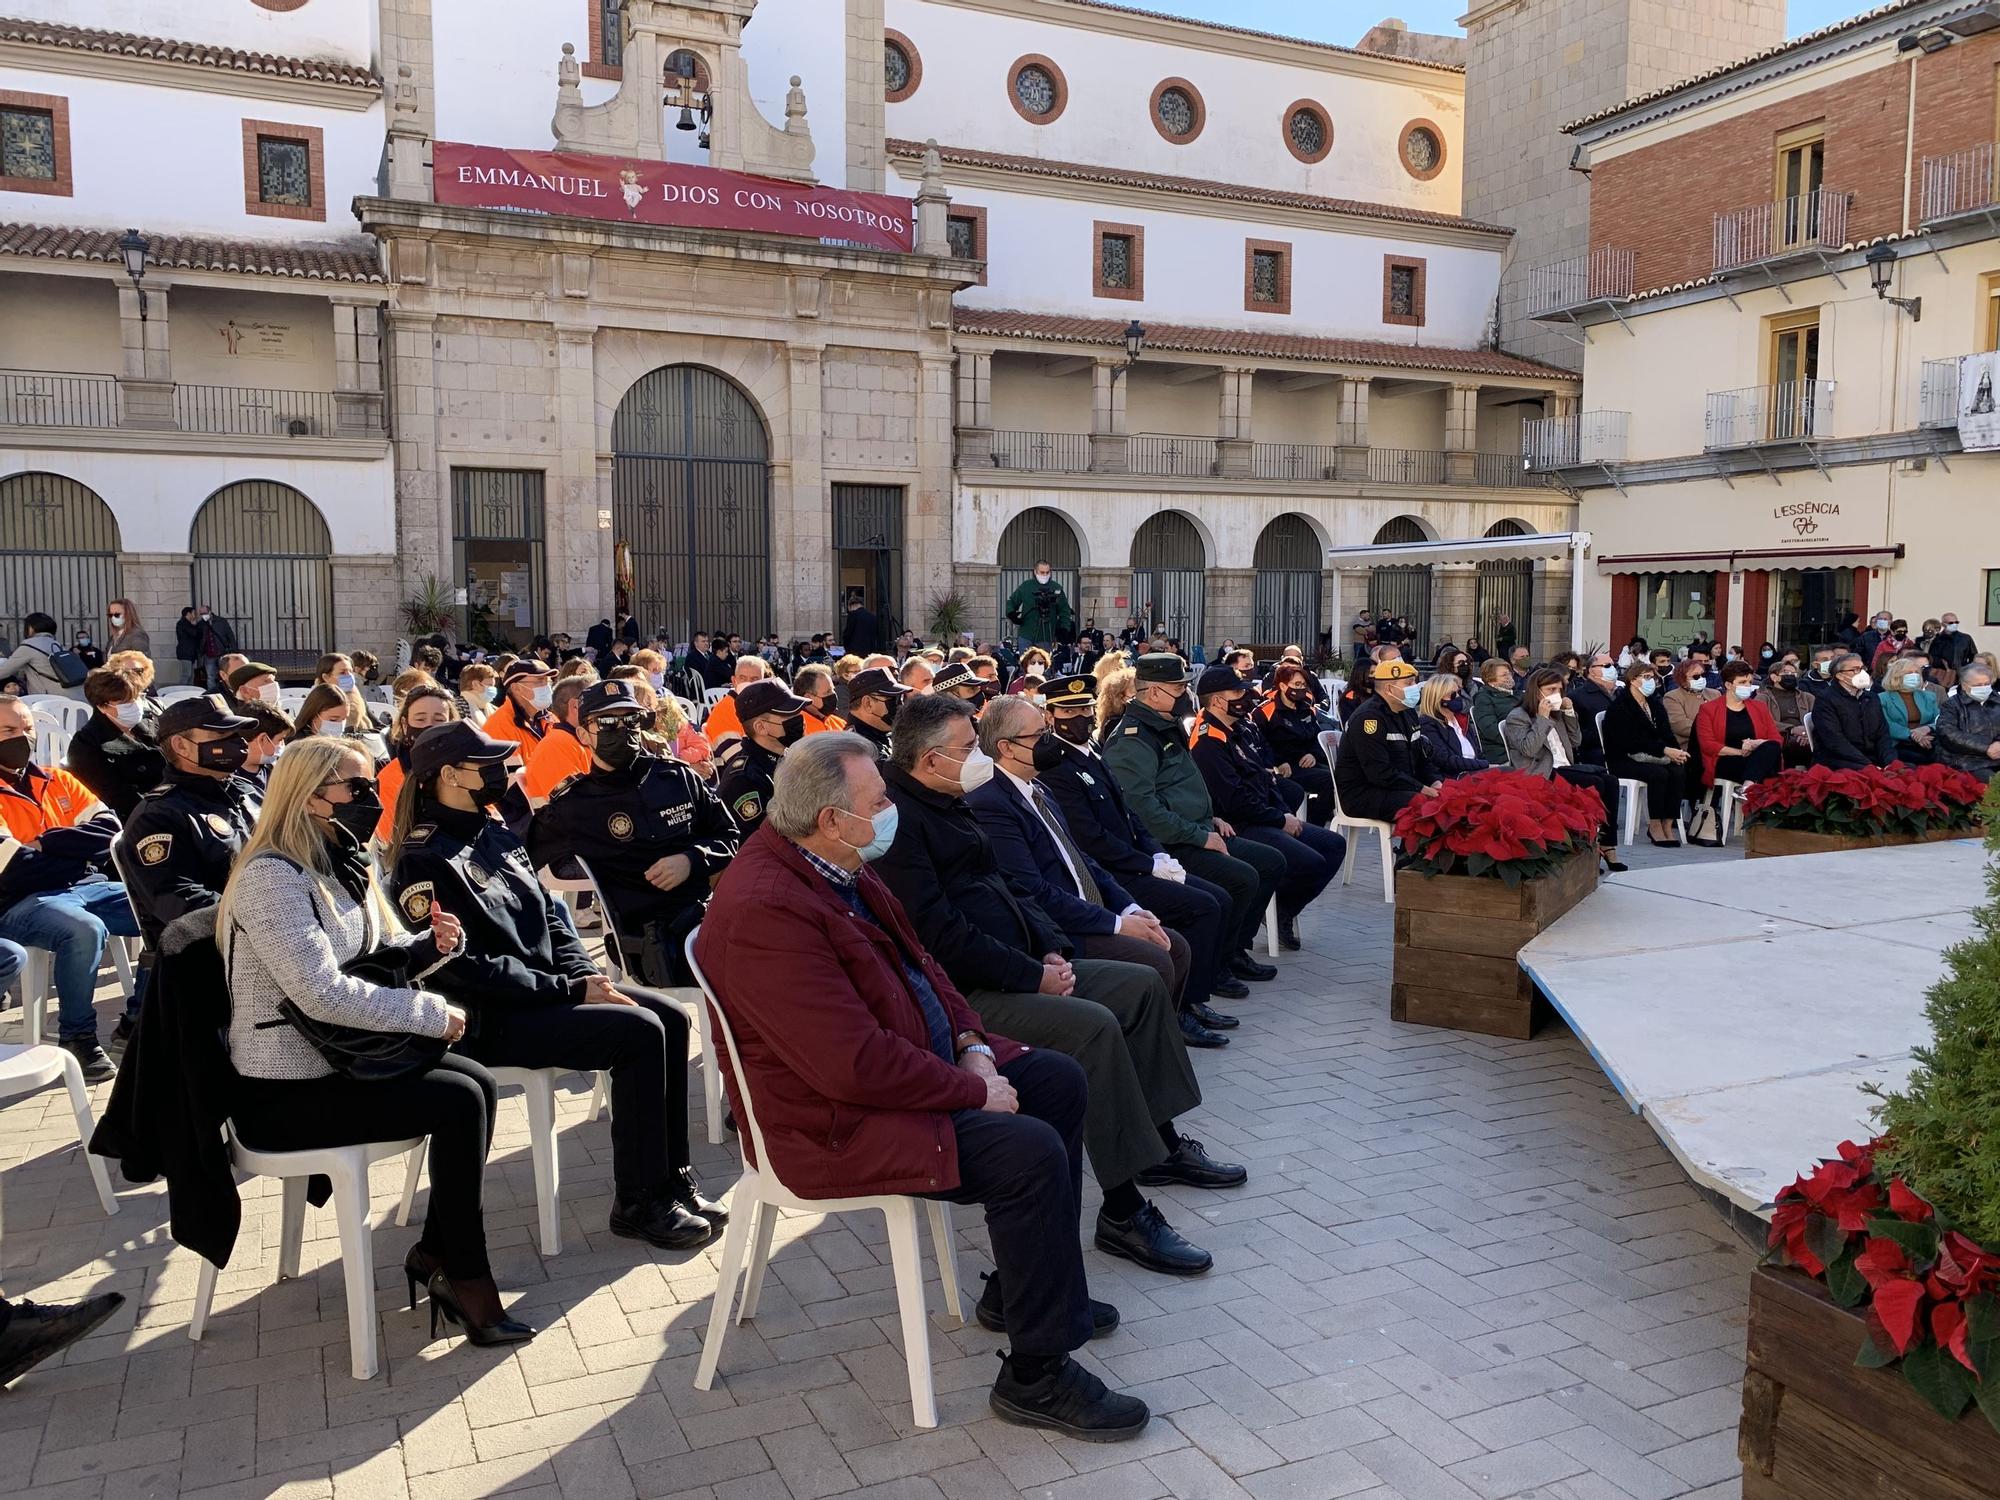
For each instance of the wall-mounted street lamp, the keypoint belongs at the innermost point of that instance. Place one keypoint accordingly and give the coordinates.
(1881, 267)
(1135, 345)
(132, 248)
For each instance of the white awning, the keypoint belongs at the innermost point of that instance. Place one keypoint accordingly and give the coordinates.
(1471, 550)
(1760, 559)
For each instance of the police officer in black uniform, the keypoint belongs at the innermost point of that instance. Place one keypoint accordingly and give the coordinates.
(955, 679)
(773, 721)
(653, 833)
(1383, 764)
(532, 996)
(872, 699)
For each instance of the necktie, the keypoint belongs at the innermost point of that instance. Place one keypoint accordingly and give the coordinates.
(1086, 887)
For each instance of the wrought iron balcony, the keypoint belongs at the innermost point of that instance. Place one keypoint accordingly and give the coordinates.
(1406, 465)
(240, 411)
(1042, 452)
(1787, 411)
(1938, 402)
(39, 398)
(1175, 455)
(1960, 183)
(1590, 437)
(1810, 222)
(50, 399)
(1604, 275)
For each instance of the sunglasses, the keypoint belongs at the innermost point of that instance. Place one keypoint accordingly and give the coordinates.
(357, 786)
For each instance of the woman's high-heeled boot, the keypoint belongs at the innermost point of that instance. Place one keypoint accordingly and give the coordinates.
(474, 1307)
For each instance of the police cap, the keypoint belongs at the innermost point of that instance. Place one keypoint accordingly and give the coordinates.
(204, 712)
(455, 744)
(614, 696)
(1071, 692)
(1218, 680)
(1162, 666)
(766, 697)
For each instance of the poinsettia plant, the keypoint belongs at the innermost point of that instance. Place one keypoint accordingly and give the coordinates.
(1507, 825)
(1867, 803)
(1929, 1290)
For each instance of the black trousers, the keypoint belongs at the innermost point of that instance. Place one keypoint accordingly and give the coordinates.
(1666, 785)
(1249, 873)
(1317, 782)
(1312, 858)
(1172, 963)
(644, 1046)
(1200, 912)
(1026, 1171)
(1377, 803)
(452, 1103)
(1293, 792)
(1598, 780)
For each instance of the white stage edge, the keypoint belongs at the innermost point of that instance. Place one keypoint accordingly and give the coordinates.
(1740, 1007)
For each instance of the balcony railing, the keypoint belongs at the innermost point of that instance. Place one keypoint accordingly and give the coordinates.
(1603, 275)
(240, 411)
(35, 398)
(1501, 471)
(1959, 183)
(1788, 411)
(1406, 466)
(1042, 452)
(1294, 461)
(1174, 455)
(1937, 402)
(1764, 231)
(1590, 437)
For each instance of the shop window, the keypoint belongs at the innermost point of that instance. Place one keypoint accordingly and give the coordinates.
(34, 144)
(1267, 276)
(1119, 263)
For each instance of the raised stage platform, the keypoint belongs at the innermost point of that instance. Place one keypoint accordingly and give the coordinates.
(1740, 1007)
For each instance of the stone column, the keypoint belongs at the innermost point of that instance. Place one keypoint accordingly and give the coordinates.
(1110, 443)
(146, 386)
(1233, 424)
(1351, 430)
(975, 410)
(1461, 434)
(927, 530)
(933, 203)
(357, 369)
(423, 520)
(801, 511)
(577, 551)
(866, 155)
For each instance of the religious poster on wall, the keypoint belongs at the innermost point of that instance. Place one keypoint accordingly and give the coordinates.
(255, 338)
(1978, 410)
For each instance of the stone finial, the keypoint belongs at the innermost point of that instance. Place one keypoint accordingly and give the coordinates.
(933, 206)
(569, 98)
(405, 94)
(933, 167)
(795, 108)
(569, 73)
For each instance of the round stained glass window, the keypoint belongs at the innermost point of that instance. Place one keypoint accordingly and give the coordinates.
(895, 68)
(1035, 87)
(1308, 132)
(1176, 112)
(1421, 149)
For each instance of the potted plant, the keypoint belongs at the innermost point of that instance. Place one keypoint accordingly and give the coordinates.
(1875, 1323)
(946, 615)
(1489, 861)
(430, 611)
(1820, 809)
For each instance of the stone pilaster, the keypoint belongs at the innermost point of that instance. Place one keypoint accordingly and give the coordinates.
(1110, 442)
(366, 593)
(927, 538)
(158, 584)
(1234, 423)
(1229, 612)
(1099, 591)
(1351, 430)
(146, 383)
(577, 551)
(979, 585)
(423, 519)
(801, 506)
(1461, 434)
(867, 158)
(1454, 603)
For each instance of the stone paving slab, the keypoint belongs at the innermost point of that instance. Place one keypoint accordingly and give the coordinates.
(1462, 1268)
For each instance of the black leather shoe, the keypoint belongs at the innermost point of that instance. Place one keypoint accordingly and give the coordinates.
(660, 1220)
(1243, 966)
(125, 1030)
(34, 1332)
(1069, 1399)
(1197, 1035)
(1288, 934)
(689, 1195)
(96, 1063)
(1214, 1020)
(1192, 1166)
(1229, 987)
(991, 1310)
(1148, 1239)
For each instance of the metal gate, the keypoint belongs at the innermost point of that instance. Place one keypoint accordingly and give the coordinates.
(497, 534)
(1285, 608)
(261, 561)
(1170, 578)
(1039, 535)
(691, 499)
(1505, 588)
(58, 554)
(868, 520)
(1404, 592)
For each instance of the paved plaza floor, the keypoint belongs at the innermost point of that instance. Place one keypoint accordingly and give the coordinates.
(1462, 1268)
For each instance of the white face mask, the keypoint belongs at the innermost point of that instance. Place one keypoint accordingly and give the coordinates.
(1607, 673)
(1881, 624)
(1744, 691)
(542, 697)
(332, 727)
(975, 771)
(128, 714)
(1950, 627)
(1863, 682)
(269, 693)
(118, 623)
(1980, 693)
(1551, 703)
(658, 680)
(1912, 681)
(345, 682)
(1042, 577)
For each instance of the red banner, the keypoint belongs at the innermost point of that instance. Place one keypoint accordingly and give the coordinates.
(658, 192)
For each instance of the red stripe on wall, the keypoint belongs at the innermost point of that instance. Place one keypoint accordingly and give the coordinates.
(1624, 610)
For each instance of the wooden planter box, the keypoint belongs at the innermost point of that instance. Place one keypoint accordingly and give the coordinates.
(1817, 1427)
(1458, 941)
(1762, 842)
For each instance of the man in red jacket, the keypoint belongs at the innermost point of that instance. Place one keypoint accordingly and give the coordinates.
(871, 1075)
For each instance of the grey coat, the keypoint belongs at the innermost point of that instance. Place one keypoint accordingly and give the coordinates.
(1527, 737)
(1964, 729)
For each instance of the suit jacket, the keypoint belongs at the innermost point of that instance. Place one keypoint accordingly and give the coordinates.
(1100, 822)
(1034, 867)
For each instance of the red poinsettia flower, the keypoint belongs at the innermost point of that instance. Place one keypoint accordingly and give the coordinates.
(1906, 1205)
(1788, 1234)
(1898, 1296)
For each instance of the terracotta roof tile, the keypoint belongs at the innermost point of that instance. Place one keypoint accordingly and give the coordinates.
(1192, 186)
(345, 260)
(189, 54)
(1267, 36)
(1110, 332)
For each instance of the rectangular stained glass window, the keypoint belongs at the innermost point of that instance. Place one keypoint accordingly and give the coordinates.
(28, 144)
(1403, 291)
(963, 235)
(611, 34)
(1115, 261)
(1267, 276)
(284, 171)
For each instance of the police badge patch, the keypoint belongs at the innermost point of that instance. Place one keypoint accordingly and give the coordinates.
(218, 825)
(479, 876)
(416, 901)
(155, 848)
(748, 805)
(1371, 726)
(620, 826)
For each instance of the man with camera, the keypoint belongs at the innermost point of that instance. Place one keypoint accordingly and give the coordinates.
(1040, 609)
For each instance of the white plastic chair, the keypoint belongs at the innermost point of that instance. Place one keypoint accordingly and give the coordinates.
(753, 1217)
(71, 713)
(1385, 835)
(1728, 799)
(292, 699)
(1329, 747)
(175, 694)
(713, 696)
(26, 1069)
(37, 983)
(348, 1167)
(539, 1087)
(1632, 802)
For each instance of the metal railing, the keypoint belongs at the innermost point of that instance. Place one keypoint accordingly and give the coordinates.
(1042, 452)
(1811, 221)
(1787, 411)
(241, 411)
(1406, 466)
(41, 398)
(1602, 275)
(1961, 182)
(1937, 399)
(1174, 455)
(1294, 461)
(1590, 437)
(1502, 471)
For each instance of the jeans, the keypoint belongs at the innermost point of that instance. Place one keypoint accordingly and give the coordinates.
(13, 959)
(72, 925)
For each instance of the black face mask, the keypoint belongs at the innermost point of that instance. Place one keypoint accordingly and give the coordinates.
(357, 816)
(16, 753)
(823, 705)
(792, 730)
(1238, 708)
(1048, 753)
(617, 745)
(1789, 682)
(493, 784)
(1183, 706)
(889, 708)
(222, 755)
(1076, 730)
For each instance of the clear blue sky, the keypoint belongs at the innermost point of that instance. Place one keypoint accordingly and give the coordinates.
(1344, 21)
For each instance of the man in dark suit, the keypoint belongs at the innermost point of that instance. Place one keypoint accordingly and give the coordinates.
(861, 632)
(1043, 862)
(1011, 961)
